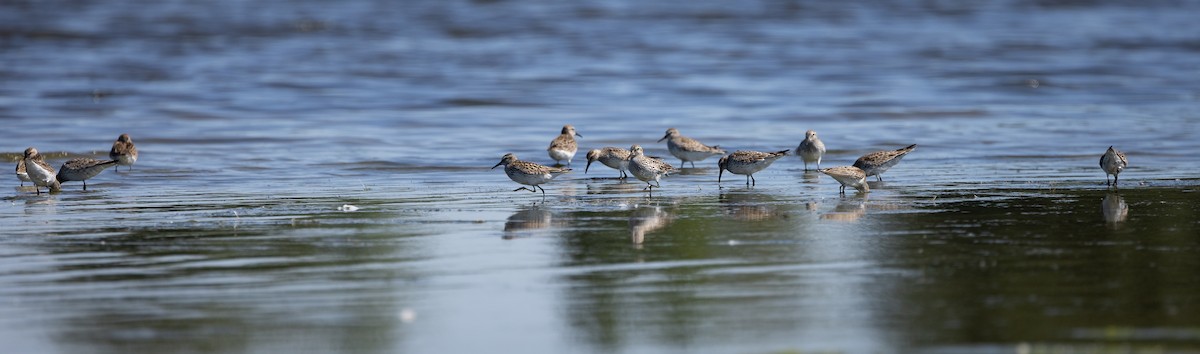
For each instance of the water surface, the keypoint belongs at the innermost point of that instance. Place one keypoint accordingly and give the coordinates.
(257, 120)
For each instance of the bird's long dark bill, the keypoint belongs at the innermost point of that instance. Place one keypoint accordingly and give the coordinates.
(663, 138)
(497, 164)
(719, 173)
(585, 168)
(577, 134)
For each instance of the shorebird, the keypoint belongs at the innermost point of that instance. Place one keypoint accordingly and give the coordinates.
(529, 173)
(563, 146)
(647, 168)
(21, 174)
(811, 149)
(81, 169)
(747, 163)
(40, 172)
(1113, 162)
(875, 163)
(123, 151)
(688, 149)
(614, 157)
(849, 176)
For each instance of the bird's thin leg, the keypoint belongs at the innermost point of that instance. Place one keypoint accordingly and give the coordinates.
(527, 189)
(805, 166)
(543, 191)
(85, 184)
(681, 162)
(879, 177)
(693, 164)
(1115, 177)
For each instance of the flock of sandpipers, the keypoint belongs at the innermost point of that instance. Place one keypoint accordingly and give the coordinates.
(33, 167)
(742, 162)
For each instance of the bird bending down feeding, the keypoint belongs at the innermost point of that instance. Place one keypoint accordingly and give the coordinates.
(849, 176)
(875, 163)
(1113, 162)
(81, 169)
(614, 157)
(747, 163)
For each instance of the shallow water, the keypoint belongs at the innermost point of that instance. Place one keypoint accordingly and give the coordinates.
(258, 120)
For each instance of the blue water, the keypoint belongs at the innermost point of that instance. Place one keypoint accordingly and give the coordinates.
(256, 120)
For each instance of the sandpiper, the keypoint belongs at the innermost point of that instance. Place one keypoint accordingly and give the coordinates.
(1113, 162)
(81, 169)
(688, 149)
(614, 157)
(563, 147)
(123, 151)
(647, 168)
(744, 162)
(528, 173)
(849, 176)
(811, 149)
(875, 163)
(40, 172)
(21, 174)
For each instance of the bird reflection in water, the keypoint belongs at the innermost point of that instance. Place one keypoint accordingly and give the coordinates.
(527, 221)
(748, 205)
(1114, 208)
(611, 187)
(646, 219)
(849, 209)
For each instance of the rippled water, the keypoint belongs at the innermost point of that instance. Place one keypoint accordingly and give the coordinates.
(257, 120)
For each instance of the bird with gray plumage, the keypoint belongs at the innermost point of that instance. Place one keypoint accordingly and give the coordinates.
(811, 149)
(81, 169)
(614, 157)
(40, 172)
(874, 164)
(1113, 162)
(747, 163)
(848, 176)
(688, 149)
(21, 173)
(646, 168)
